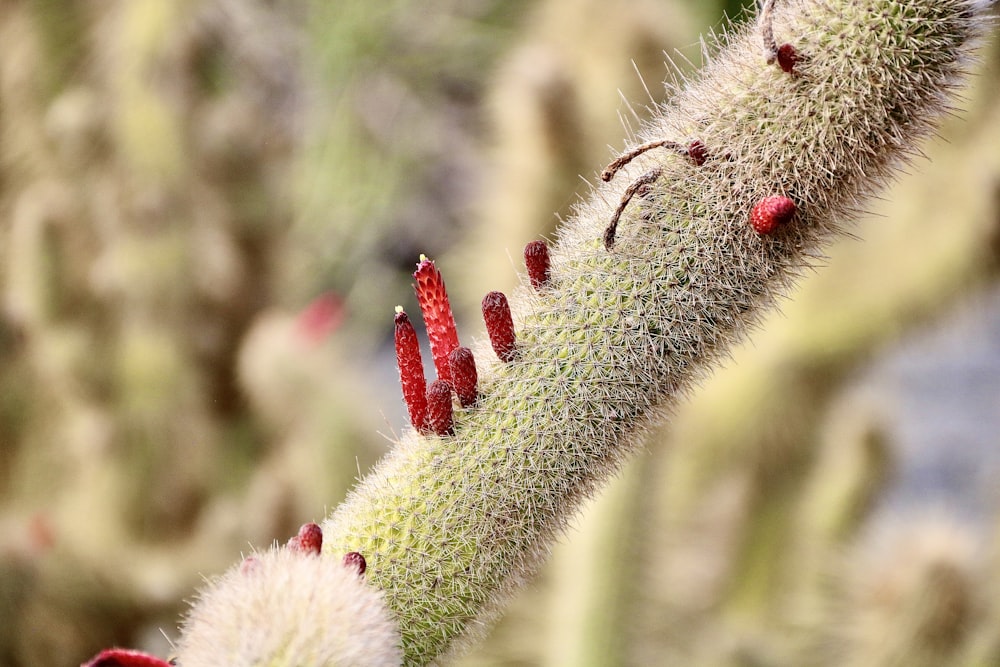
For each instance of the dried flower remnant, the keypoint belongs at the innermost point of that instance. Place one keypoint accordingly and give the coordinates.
(500, 326)
(411, 369)
(436, 309)
(640, 185)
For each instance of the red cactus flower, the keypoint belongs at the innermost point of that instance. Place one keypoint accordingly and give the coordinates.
(438, 318)
(697, 152)
(411, 370)
(320, 318)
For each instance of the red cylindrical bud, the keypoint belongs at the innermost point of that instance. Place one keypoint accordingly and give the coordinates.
(439, 410)
(770, 213)
(536, 259)
(355, 561)
(411, 370)
(121, 657)
(500, 325)
(308, 541)
(463, 375)
(436, 309)
(787, 56)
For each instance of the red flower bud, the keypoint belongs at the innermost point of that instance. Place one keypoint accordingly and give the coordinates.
(697, 152)
(436, 309)
(411, 370)
(463, 375)
(355, 561)
(536, 259)
(308, 541)
(500, 325)
(770, 213)
(439, 410)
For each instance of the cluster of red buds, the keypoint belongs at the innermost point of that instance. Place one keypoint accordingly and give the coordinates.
(430, 406)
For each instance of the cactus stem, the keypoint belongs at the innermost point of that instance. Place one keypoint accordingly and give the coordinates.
(642, 182)
(767, 31)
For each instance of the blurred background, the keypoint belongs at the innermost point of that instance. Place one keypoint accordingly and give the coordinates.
(209, 208)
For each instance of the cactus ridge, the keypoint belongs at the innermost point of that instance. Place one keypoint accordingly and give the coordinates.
(450, 525)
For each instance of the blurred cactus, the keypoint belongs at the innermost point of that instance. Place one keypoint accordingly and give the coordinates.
(178, 177)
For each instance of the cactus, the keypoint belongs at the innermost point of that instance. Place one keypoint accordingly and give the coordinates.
(632, 314)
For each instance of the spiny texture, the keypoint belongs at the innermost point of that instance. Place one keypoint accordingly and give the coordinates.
(290, 610)
(451, 525)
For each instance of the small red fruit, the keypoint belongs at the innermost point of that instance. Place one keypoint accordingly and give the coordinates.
(770, 213)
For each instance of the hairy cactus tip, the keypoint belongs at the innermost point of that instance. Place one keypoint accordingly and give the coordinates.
(290, 608)
(662, 268)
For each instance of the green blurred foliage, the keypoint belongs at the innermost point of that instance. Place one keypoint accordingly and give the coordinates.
(208, 209)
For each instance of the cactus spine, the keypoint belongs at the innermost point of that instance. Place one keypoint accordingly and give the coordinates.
(449, 525)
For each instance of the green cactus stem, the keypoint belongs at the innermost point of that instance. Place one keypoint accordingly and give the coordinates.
(451, 525)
